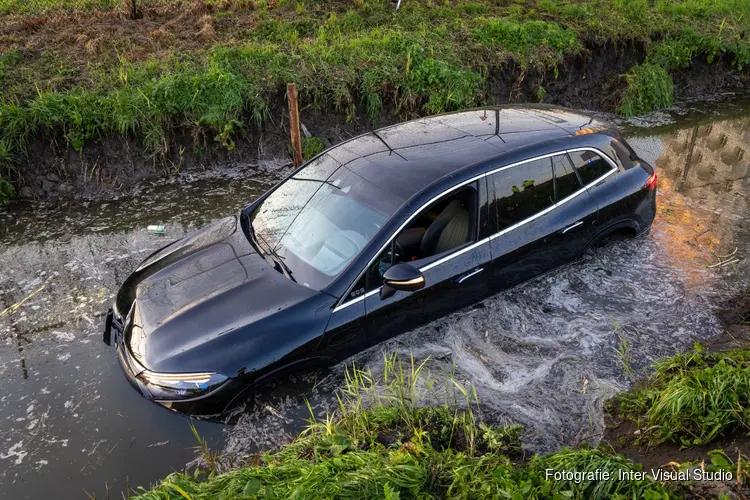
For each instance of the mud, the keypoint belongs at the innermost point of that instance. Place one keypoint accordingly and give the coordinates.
(543, 354)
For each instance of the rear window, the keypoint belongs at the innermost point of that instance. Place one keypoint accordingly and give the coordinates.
(590, 165)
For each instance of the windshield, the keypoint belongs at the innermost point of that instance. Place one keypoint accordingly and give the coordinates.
(318, 220)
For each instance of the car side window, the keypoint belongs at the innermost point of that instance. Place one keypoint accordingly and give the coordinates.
(522, 191)
(590, 165)
(443, 226)
(622, 154)
(566, 180)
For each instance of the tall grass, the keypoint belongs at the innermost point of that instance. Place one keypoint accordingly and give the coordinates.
(383, 442)
(362, 58)
(649, 87)
(692, 398)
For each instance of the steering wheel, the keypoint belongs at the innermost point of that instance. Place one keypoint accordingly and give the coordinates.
(398, 253)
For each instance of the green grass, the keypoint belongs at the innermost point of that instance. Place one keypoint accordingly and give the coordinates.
(649, 87)
(692, 398)
(311, 146)
(382, 442)
(624, 352)
(428, 57)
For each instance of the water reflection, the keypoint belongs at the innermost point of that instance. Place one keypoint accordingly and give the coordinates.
(67, 415)
(703, 201)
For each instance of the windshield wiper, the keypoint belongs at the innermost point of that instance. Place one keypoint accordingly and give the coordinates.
(277, 259)
(281, 265)
(316, 180)
(265, 249)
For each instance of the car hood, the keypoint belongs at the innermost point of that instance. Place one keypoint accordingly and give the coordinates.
(201, 287)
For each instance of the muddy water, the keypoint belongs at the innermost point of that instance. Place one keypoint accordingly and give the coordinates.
(544, 354)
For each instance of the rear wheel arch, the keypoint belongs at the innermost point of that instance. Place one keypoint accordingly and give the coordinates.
(628, 227)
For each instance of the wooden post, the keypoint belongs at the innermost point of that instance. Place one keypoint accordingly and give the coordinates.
(291, 92)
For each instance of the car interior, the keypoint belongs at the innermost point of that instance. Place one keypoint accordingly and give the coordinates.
(442, 227)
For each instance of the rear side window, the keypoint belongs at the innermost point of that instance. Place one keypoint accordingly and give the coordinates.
(522, 191)
(590, 165)
(566, 180)
(624, 155)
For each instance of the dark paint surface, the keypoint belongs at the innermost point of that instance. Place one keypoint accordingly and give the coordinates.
(542, 354)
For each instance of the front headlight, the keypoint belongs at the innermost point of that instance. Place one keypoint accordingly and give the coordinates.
(180, 386)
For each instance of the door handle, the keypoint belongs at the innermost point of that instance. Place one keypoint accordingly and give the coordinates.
(467, 276)
(572, 226)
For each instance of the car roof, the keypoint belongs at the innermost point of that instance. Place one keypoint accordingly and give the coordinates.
(403, 159)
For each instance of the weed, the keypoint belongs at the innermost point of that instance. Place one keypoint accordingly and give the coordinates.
(311, 146)
(540, 93)
(420, 59)
(520, 38)
(649, 87)
(381, 443)
(624, 352)
(692, 398)
(209, 458)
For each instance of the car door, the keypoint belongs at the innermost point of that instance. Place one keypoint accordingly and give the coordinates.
(453, 279)
(346, 333)
(575, 218)
(542, 221)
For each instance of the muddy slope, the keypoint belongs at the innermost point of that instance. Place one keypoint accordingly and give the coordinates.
(107, 167)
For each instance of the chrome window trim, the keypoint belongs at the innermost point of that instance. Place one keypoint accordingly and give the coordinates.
(341, 305)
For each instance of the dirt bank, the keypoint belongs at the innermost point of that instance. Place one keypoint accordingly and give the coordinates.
(106, 167)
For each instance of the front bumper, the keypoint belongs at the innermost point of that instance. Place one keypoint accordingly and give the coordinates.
(114, 334)
(212, 403)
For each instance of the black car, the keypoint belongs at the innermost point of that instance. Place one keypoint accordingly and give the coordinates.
(371, 238)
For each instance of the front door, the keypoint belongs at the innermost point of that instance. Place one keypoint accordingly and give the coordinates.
(452, 258)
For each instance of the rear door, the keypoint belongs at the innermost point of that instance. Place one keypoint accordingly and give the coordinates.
(542, 219)
(576, 215)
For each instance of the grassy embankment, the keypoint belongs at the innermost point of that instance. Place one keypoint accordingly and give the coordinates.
(382, 443)
(214, 68)
(692, 398)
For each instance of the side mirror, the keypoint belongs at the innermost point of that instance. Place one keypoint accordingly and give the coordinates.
(401, 277)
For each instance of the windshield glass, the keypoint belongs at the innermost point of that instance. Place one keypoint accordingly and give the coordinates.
(318, 220)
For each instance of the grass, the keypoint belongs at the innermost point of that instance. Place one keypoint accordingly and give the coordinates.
(28, 7)
(649, 87)
(79, 84)
(624, 352)
(692, 398)
(382, 442)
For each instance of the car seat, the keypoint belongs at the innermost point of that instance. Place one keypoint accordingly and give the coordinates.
(449, 230)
